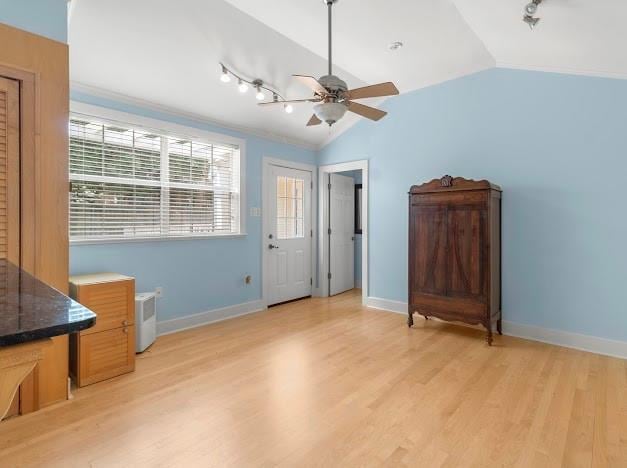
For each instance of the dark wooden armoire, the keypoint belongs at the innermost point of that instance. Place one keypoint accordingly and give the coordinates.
(455, 252)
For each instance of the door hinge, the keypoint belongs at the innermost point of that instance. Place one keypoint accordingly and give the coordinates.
(311, 281)
(311, 184)
(329, 186)
(329, 231)
(329, 275)
(311, 233)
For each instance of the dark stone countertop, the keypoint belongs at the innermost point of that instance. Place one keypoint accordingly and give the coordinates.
(31, 310)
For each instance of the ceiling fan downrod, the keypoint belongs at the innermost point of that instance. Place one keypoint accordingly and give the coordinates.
(329, 4)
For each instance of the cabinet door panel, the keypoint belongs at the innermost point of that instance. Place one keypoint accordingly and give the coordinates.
(466, 252)
(428, 257)
(106, 354)
(113, 303)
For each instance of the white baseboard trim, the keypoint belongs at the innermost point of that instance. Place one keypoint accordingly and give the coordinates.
(166, 327)
(592, 344)
(387, 304)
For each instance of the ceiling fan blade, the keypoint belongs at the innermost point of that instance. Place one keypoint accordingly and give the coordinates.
(312, 84)
(314, 121)
(366, 111)
(378, 90)
(288, 102)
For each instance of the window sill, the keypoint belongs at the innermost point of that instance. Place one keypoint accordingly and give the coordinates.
(156, 239)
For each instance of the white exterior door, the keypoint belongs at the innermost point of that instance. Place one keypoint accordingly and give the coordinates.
(342, 237)
(287, 234)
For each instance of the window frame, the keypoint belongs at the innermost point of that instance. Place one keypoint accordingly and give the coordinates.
(167, 129)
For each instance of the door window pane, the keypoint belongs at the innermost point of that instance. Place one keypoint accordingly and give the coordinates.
(290, 205)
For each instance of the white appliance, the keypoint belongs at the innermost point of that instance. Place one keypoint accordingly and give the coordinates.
(145, 320)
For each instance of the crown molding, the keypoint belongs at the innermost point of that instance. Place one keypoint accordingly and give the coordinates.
(198, 118)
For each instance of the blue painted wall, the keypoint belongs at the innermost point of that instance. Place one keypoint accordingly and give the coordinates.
(199, 274)
(44, 17)
(557, 144)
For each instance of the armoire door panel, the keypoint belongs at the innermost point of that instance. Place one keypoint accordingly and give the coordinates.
(429, 258)
(466, 252)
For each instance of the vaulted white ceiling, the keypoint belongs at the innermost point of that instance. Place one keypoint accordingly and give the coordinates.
(166, 53)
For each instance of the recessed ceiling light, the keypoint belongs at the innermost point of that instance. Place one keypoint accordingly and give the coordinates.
(395, 45)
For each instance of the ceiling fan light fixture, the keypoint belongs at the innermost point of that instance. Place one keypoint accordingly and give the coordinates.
(330, 112)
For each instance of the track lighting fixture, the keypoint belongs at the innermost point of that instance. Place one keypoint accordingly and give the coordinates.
(530, 10)
(258, 85)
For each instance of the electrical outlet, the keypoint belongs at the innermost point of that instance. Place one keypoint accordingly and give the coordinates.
(248, 279)
(159, 291)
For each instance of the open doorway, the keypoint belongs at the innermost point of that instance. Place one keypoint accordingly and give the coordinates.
(342, 248)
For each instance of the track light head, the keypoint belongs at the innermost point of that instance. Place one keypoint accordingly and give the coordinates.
(259, 95)
(225, 77)
(530, 9)
(289, 108)
(242, 86)
(531, 21)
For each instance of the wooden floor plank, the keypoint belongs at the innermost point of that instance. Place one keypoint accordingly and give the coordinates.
(327, 382)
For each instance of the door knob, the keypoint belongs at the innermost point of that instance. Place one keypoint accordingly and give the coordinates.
(270, 246)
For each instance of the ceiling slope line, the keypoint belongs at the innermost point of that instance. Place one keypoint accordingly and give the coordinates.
(198, 118)
(563, 70)
(475, 33)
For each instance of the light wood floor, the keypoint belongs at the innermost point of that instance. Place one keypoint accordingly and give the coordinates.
(326, 382)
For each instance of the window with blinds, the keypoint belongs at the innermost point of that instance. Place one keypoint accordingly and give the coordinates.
(135, 183)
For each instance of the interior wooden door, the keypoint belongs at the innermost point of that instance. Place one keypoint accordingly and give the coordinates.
(10, 170)
(466, 252)
(428, 236)
(9, 183)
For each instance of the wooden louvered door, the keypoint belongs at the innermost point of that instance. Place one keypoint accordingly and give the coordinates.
(10, 170)
(10, 184)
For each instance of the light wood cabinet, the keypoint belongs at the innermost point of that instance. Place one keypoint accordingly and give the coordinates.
(107, 349)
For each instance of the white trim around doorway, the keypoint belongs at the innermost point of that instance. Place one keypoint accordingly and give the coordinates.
(267, 162)
(323, 223)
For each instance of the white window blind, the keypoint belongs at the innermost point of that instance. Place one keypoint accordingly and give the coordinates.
(136, 183)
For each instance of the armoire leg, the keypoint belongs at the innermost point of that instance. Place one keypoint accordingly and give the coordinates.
(410, 319)
(489, 337)
(499, 327)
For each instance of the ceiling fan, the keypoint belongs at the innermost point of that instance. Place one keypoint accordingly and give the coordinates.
(333, 96)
